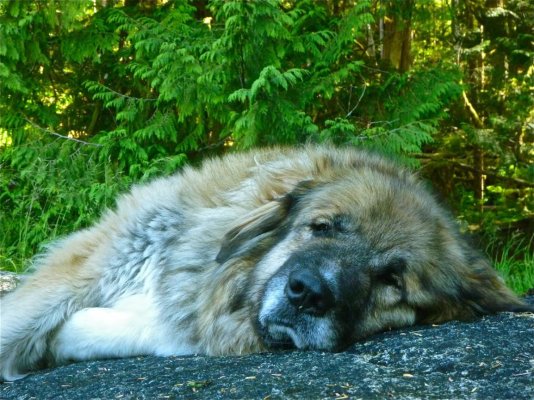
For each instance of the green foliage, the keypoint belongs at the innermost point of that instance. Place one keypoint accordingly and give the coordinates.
(490, 140)
(515, 261)
(410, 108)
(97, 95)
(48, 188)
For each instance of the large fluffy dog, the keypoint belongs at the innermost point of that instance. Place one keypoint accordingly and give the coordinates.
(313, 248)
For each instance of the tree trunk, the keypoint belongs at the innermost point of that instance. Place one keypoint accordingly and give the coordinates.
(397, 28)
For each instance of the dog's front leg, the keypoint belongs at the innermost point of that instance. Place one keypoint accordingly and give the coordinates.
(130, 328)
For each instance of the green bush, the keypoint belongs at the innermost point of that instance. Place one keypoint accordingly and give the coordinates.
(95, 96)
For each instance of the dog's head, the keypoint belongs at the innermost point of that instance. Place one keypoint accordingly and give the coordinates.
(363, 250)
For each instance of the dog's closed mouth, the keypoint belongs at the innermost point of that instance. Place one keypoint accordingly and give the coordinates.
(280, 335)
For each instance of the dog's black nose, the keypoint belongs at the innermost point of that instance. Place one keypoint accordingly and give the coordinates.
(307, 291)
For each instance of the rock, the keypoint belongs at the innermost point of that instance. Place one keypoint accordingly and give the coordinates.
(8, 282)
(489, 358)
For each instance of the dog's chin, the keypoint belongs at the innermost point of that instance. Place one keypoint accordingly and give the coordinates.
(278, 336)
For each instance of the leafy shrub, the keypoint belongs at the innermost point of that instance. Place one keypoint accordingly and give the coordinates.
(96, 96)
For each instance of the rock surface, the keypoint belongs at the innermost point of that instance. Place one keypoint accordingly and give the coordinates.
(492, 358)
(8, 282)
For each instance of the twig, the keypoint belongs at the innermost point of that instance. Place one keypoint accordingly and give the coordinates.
(50, 132)
(358, 102)
(476, 118)
(385, 132)
(125, 95)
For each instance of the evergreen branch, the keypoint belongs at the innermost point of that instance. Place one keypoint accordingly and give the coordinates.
(50, 132)
(461, 164)
(387, 122)
(494, 175)
(399, 128)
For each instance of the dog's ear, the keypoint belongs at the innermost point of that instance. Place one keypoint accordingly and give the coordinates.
(256, 225)
(476, 289)
(483, 290)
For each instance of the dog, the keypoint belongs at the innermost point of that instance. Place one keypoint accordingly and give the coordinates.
(311, 248)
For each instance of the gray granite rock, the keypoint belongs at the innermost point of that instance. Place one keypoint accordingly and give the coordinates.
(492, 358)
(8, 281)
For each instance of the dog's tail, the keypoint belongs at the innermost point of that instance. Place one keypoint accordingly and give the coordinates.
(29, 315)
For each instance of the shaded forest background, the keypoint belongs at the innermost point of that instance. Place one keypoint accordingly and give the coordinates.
(96, 95)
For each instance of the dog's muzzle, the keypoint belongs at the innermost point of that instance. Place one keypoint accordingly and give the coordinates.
(297, 310)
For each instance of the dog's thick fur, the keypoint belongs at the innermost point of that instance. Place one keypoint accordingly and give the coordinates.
(314, 248)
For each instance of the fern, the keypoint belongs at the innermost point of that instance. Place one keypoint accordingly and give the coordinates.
(122, 94)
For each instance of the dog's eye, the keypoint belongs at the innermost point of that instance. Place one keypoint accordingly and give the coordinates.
(321, 227)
